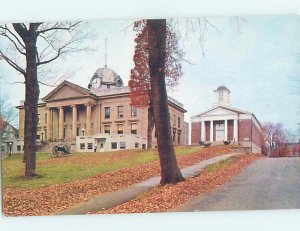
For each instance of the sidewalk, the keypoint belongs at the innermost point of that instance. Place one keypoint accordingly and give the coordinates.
(112, 199)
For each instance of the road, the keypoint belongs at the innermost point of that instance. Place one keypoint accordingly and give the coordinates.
(269, 183)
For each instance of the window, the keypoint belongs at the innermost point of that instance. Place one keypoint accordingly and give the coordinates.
(78, 131)
(178, 138)
(120, 111)
(65, 115)
(45, 134)
(174, 120)
(120, 128)
(38, 137)
(19, 148)
(114, 145)
(90, 145)
(82, 146)
(174, 135)
(143, 146)
(133, 111)
(107, 112)
(107, 129)
(179, 122)
(2, 148)
(136, 145)
(133, 129)
(122, 145)
(220, 96)
(65, 131)
(46, 118)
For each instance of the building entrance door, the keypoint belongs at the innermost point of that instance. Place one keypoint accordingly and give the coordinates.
(220, 132)
(100, 142)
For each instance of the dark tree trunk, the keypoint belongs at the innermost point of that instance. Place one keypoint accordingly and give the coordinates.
(31, 112)
(150, 125)
(170, 172)
(29, 36)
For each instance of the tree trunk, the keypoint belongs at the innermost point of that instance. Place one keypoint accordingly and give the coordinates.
(31, 110)
(170, 172)
(29, 36)
(150, 125)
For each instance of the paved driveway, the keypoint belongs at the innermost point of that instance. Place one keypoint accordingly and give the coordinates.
(269, 183)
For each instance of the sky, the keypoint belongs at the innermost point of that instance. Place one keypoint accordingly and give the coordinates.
(256, 57)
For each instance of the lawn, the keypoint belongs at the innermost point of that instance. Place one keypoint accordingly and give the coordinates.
(77, 166)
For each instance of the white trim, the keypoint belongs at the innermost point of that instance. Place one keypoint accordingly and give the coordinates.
(224, 107)
(203, 134)
(235, 130)
(225, 130)
(211, 134)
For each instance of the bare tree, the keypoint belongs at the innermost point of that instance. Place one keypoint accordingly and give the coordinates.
(8, 113)
(275, 135)
(28, 47)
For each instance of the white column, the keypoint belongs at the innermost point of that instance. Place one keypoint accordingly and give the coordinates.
(203, 135)
(88, 119)
(61, 123)
(235, 130)
(211, 131)
(49, 124)
(226, 130)
(74, 121)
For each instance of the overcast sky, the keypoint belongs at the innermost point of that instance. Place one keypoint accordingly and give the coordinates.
(255, 57)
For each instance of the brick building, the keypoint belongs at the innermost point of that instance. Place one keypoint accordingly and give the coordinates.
(225, 123)
(98, 117)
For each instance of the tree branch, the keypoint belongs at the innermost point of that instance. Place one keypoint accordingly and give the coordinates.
(12, 63)
(16, 37)
(58, 26)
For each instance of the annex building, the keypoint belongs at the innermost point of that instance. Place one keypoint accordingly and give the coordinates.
(98, 118)
(224, 123)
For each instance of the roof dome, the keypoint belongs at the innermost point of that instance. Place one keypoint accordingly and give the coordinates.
(222, 88)
(107, 75)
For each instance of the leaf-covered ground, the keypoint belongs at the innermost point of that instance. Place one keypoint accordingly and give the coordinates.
(47, 200)
(162, 199)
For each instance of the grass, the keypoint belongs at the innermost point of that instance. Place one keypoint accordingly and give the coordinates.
(222, 163)
(77, 166)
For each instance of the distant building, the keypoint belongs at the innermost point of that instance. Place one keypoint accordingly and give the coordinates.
(225, 123)
(99, 117)
(10, 141)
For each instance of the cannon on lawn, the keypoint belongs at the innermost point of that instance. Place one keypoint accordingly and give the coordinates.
(60, 149)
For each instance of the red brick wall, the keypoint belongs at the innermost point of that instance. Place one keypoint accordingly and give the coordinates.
(244, 130)
(195, 133)
(214, 139)
(230, 130)
(207, 131)
(256, 135)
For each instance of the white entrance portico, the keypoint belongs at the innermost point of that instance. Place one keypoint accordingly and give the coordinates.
(215, 128)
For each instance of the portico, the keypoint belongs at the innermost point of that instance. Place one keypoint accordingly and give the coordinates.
(69, 110)
(219, 130)
(71, 120)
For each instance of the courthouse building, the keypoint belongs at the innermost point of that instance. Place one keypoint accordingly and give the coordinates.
(99, 117)
(224, 123)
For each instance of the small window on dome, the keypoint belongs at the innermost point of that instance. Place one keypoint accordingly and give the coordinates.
(220, 96)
